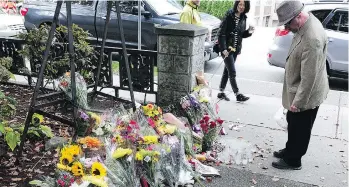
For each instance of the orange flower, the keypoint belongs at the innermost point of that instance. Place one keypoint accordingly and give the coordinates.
(67, 74)
(90, 142)
(150, 106)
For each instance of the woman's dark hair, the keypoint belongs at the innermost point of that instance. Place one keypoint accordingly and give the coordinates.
(247, 6)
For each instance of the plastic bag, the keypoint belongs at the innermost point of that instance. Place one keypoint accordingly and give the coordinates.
(280, 118)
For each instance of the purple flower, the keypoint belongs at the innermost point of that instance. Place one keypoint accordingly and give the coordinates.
(84, 116)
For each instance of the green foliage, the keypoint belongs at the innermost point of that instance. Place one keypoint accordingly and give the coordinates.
(7, 106)
(5, 65)
(12, 132)
(58, 61)
(216, 8)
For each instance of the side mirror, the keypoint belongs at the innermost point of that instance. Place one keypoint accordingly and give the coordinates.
(143, 12)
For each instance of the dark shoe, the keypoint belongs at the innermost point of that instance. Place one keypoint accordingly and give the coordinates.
(281, 164)
(223, 96)
(280, 153)
(241, 98)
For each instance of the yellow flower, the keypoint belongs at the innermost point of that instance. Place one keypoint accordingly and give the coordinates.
(120, 152)
(66, 158)
(169, 129)
(160, 110)
(95, 180)
(98, 170)
(96, 117)
(63, 167)
(73, 150)
(156, 156)
(119, 139)
(139, 155)
(150, 139)
(77, 169)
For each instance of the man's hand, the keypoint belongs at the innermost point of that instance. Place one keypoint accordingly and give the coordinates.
(294, 109)
(225, 53)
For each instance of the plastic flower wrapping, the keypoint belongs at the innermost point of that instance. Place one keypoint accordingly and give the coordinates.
(64, 83)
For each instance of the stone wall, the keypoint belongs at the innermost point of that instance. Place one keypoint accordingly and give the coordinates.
(180, 56)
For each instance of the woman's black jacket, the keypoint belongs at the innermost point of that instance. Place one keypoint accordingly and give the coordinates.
(227, 30)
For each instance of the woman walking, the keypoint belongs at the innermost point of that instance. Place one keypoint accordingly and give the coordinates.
(233, 29)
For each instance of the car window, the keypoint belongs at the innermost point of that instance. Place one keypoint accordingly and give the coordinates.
(127, 6)
(343, 26)
(339, 22)
(321, 14)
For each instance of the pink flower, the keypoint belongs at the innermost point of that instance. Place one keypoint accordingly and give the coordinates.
(213, 124)
(151, 122)
(206, 118)
(65, 177)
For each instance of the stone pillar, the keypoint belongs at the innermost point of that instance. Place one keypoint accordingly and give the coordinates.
(180, 56)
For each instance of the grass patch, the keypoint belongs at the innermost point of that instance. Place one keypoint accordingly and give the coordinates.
(115, 68)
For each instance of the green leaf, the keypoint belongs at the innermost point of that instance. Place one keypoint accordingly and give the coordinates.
(12, 76)
(2, 128)
(11, 106)
(36, 182)
(11, 139)
(47, 131)
(34, 132)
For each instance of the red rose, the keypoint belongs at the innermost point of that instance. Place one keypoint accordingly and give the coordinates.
(206, 118)
(220, 121)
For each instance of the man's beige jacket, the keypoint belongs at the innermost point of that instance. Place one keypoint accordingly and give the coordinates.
(306, 83)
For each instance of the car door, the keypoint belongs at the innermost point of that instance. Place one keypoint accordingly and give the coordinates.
(336, 26)
(130, 25)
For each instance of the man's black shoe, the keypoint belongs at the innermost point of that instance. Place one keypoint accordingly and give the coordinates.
(241, 98)
(280, 153)
(281, 164)
(223, 96)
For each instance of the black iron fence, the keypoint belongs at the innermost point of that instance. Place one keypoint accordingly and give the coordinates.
(141, 65)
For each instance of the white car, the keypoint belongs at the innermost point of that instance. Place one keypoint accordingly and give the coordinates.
(11, 24)
(334, 17)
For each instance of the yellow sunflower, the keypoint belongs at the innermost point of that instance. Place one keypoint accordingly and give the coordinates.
(77, 169)
(73, 150)
(98, 170)
(66, 158)
(139, 155)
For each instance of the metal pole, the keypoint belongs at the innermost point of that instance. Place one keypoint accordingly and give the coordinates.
(72, 64)
(109, 6)
(121, 29)
(40, 77)
(139, 25)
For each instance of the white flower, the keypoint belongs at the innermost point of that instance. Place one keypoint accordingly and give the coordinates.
(98, 131)
(84, 184)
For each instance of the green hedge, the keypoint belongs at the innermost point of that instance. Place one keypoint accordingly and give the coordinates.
(216, 8)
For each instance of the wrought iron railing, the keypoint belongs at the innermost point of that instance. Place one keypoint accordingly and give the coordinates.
(141, 65)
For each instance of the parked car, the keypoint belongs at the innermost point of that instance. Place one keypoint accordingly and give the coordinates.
(154, 12)
(10, 24)
(334, 17)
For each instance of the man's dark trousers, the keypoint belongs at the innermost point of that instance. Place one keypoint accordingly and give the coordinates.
(299, 129)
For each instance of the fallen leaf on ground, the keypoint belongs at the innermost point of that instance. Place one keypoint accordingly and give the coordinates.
(275, 179)
(39, 171)
(254, 181)
(16, 179)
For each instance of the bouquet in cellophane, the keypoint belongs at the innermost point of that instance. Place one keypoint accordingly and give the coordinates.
(81, 88)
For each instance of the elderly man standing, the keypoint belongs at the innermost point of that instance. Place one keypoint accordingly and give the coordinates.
(190, 13)
(306, 83)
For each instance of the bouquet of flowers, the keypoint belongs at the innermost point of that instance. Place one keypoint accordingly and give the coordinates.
(121, 165)
(192, 109)
(210, 128)
(87, 122)
(81, 88)
(70, 164)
